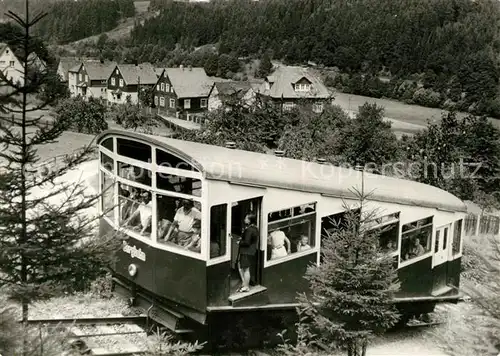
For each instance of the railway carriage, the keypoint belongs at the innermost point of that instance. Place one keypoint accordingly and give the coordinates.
(186, 285)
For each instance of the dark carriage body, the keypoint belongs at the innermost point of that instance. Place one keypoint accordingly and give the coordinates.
(183, 287)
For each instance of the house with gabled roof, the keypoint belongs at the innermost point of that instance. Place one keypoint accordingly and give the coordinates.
(126, 80)
(65, 64)
(10, 66)
(182, 93)
(290, 85)
(91, 78)
(224, 91)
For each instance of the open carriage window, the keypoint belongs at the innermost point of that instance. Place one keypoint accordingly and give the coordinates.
(179, 222)
(218, 230)
(133, 149)
(165, 159)
(134, 173)
(174, 183)
(416, 239)
(135, 209)
(108, 195)
(457, 237)
(291, 231)
(388, 228)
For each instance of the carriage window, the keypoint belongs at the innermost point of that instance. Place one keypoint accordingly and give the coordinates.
(106, 162)
(291, 231)
(174, 183)
(134, 150)
(108, 195)
(165, 159)
(135, 209)
(218, 230)
(134, 173)
(416, 239)
(388, 228)
(457, 237)
(179, 222)
(108, 143)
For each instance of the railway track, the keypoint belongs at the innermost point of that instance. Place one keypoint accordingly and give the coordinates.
(103, 336)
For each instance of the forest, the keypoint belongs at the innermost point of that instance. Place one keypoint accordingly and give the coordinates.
(73, 20)
(450, 46)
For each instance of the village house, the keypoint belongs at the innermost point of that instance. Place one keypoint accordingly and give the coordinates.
(182, 93)
(89, 79)
(11, 67)
(289, 86)
(225, 91)
(126, 80)
(65, 64)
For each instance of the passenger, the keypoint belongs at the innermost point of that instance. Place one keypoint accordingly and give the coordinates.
(417, 250)
(389, 246)
(183, 223)
(144, 212)
(247, 251)
(303, 244)
(278, 239)
(195, 243)
(214, 249)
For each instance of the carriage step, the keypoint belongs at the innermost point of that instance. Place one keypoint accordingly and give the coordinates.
(441, 291)
(256, 295)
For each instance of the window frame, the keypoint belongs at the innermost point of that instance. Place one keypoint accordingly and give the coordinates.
(162, 86)
(162, 101)
(154, 168)
(156, 100)
(320, 106)
(170, 103)
(203, 101)
(167, 88)
(265, 233)
(427, 254)
(461, 242)
(226, 256)
(113, 82)
(395, 220)
(121, 83)
(187, 103)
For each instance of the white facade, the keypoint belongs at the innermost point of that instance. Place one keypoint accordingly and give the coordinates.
(122, 98)
(11, 67)
(72, 81)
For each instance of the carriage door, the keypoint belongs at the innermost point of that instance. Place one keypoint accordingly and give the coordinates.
(440, 257)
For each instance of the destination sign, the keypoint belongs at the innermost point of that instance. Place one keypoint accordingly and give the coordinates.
(134, 252)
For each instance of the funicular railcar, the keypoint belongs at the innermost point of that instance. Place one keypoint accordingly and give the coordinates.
(186, 285)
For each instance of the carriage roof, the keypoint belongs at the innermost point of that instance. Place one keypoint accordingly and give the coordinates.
(245, 167)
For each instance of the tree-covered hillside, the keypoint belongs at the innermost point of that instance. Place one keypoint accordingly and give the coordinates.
(73, 20)
(449, 45)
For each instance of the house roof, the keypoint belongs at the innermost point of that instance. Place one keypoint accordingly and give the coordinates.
(99, 71)
(67, 63)
(189, 82)
(245, 167)
(232, 88)
(144, 72)
(283, 78)
(2, 47)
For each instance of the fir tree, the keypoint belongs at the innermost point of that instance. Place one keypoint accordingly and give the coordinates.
(265, 66)
(351, 290)
(47, 240)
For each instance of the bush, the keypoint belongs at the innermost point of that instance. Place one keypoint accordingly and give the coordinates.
(83, 116)
(102, 287)
(427, 97)
(449, 105)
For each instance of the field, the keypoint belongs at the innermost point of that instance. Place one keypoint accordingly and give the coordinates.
(399, 113)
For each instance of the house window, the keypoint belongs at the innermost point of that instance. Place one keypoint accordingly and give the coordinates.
(187, 103)
(302, 87)
(86, 77)
(203, 103)
(80, 76)
(291, 231)
(162, 86)
(162, 101)
(288, 106)
(218, 230)
(457, 237)
(318, 108)
(11, 63)
(172, 103)
(416, 239)
(156, 100)
(158, 87)
(113, 81)
(167, 87)
(121, 82)
(116, 71)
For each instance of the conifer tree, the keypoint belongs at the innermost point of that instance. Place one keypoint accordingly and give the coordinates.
(47, 242)
(351, 291)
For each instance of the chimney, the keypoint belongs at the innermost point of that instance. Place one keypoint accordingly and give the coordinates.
(231, 145)
(321, 160)
(279, 153)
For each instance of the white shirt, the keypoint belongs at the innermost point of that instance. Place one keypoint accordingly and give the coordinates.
(186, 221)
(146, 210)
